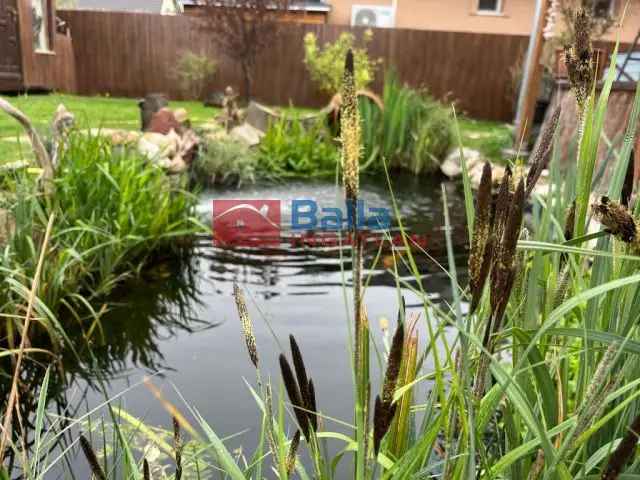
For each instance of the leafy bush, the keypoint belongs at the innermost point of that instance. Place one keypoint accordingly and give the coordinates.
(325, 65)
(414, 131)
(193, 71)
(291, 148)
(225, 161)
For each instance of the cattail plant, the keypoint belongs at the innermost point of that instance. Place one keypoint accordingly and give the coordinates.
(541, 155)
(599, 387)
(508, 225)
(177, 448)
(247, 326)
(617, 221)
(350, 136)
(480, 253)
(293, 452)
(146, 471)
(623, 454)
(300, 391)
(384, 408)
(92, 458)
(579, 58)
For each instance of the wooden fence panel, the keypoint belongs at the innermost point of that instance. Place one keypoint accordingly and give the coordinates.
(127, 54)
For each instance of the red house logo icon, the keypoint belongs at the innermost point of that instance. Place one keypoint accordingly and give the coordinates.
(247, 223)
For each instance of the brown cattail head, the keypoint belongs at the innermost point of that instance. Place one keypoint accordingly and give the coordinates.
(294, 395)
(393, 365)
(540, 157)
(570, 222)
(627, 186)
(177, 448)
(313, 409)
(616, 219)
(350, 132)
(624, 452)
(291, 456)
(146, 472)
(245, 322)
(506, 265)
(501, 215)
(579, 57)
(92, 459)
(301, 372)
(480, 242)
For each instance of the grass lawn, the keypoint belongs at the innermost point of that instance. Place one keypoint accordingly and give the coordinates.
(104, 112)
(489, 138)
(109, 112)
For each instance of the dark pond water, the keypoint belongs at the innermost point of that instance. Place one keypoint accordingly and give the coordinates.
(179, 322)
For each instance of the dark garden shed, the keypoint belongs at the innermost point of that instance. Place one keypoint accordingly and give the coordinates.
(36, 51)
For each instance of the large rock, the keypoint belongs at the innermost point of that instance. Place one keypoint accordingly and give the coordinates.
(247, 134)
(156, 146)
(452, 165)
(259, 116)
(150, 105)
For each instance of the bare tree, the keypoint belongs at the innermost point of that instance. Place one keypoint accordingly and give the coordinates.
(243, 29)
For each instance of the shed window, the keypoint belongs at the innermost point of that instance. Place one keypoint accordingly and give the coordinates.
(41, 21)
(602, 8)
(489, 6)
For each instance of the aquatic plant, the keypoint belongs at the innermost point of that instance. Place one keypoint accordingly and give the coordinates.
(414, 131)
(293, 148)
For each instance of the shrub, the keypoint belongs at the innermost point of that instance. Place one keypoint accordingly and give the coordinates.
(193, 71)
(225, 161)
(325, 64)
(414, 131)
(292, 148)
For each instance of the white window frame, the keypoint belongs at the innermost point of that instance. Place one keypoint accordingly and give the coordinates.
(497, 11)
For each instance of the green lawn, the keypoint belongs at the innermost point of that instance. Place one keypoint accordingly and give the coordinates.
(104, 112)
(489, 138)
(109, 112)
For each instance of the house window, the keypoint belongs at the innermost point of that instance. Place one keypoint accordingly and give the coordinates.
(602, 8)
(489, 6)
(41, 21)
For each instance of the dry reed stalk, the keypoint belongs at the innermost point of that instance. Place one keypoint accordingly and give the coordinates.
(170, 408)
(13, 394)
(92, 458)
(247, 327)
(480, 253)
(40, 152)
(538, 465)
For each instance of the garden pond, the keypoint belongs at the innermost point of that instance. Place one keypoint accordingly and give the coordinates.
(178, 323)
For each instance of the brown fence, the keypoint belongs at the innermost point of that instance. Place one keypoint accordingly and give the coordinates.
(133, 54)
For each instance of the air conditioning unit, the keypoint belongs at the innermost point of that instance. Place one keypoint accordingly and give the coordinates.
(381, 16)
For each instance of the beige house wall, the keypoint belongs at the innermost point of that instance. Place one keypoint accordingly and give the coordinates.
(516, 17)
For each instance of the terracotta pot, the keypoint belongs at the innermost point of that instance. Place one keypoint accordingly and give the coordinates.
(560, 67)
